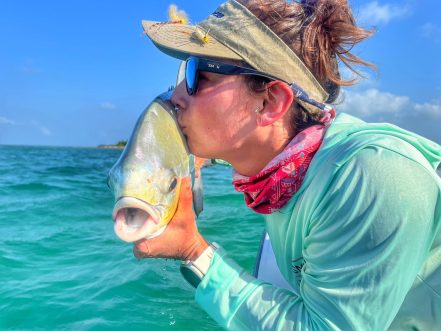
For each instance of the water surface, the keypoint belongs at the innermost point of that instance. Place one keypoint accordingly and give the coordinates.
(63, 268)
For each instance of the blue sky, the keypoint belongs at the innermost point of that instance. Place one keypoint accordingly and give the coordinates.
(79, 73)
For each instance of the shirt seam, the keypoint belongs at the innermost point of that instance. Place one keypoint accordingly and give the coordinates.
(429, 286)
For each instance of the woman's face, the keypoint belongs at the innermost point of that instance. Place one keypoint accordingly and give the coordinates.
(219, 120)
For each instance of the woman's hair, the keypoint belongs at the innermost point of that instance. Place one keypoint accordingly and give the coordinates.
(322, 33)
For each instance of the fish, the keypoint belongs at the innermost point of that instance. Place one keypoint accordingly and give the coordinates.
(146, 179)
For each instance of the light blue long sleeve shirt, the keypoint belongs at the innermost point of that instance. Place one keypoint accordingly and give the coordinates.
(359, 243)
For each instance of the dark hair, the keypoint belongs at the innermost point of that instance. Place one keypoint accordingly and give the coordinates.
(322, 33)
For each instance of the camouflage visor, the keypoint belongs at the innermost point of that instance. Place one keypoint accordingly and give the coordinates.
(233, 32)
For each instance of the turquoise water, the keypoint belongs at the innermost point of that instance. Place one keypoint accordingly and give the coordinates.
(63, 268)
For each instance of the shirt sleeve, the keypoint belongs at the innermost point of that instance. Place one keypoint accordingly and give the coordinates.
(363, 246)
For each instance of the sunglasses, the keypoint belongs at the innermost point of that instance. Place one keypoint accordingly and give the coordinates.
(194, 65)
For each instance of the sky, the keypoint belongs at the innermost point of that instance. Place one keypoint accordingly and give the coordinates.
(79, 73)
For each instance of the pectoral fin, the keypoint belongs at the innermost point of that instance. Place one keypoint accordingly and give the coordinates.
(197, 188)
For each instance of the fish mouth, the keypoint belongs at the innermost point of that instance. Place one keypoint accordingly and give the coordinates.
(135, 219)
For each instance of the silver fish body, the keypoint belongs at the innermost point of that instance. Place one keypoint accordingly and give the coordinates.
(146, 180)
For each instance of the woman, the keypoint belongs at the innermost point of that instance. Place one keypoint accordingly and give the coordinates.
(353, 209)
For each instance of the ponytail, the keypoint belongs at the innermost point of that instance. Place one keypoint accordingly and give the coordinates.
(322, 33)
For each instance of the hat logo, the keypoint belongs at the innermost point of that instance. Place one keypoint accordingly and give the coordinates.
(210, 65)
(218, 14)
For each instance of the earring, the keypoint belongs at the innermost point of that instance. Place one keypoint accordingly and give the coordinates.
(176, 108)
(258, 110)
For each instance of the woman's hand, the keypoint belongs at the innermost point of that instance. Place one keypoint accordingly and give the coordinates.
(181, 239)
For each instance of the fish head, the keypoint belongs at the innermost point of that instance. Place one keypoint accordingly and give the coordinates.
(146, 179)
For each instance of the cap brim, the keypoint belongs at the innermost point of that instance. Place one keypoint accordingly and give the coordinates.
(180, 41)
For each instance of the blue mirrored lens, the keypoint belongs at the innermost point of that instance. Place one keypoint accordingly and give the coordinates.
(191, 75)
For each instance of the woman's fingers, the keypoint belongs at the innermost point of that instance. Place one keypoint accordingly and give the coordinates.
(179, 234)
(198, 164)
(141, 250)
(185, 196)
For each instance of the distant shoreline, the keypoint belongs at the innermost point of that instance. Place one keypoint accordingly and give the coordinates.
(111, 146)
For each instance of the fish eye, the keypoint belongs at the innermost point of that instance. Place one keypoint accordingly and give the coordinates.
(164, 180)
(173, 184)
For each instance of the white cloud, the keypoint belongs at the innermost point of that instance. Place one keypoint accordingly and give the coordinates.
(373, 105)
(374, 13)
(431, 109)
(44, 130)
(373, 102)
(4, 120)
(107, 105)
(431, 31)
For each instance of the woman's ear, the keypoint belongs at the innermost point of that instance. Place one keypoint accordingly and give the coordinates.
(277, 101)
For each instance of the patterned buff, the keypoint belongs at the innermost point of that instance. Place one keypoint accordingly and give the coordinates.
(272, 187)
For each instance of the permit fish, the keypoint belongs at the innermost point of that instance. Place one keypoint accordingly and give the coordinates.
(146, 179)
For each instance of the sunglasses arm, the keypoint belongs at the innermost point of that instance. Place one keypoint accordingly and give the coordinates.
(301, 95)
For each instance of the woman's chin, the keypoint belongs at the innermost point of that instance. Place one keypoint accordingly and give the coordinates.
(193, 149)
(200, 153)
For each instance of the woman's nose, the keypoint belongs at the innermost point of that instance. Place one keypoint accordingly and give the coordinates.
(179, 96)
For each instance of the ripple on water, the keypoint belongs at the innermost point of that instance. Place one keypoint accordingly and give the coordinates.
(63, 268)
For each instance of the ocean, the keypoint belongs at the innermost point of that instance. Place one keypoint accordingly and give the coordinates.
(63, 268)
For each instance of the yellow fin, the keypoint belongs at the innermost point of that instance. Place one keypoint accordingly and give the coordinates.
(201, 35)
(177, 16)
